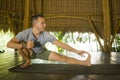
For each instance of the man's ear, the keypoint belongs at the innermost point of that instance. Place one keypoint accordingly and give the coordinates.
(35, 24)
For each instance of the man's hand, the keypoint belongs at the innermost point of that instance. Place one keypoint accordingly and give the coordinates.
(30, 44)
(81, 52)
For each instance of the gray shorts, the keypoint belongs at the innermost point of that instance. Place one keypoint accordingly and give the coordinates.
(43, 55)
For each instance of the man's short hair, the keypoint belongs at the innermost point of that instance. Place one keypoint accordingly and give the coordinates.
(35, 17)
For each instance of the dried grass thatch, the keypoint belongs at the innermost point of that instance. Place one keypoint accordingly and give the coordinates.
(101, 17)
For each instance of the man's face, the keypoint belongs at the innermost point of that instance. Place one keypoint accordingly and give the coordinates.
(40, 24)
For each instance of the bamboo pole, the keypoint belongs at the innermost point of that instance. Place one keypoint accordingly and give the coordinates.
(64, 16)
(26, 15)
(20, 7)
(51, 14)
(4, 11)
(3, 15)
(13, 8)
(117, 18)
(115, 32)
(42, 7)
(71, 17)
(95, 31)
(9, 6)
(77, 15)
(107, 25)
(0, 2)
(11, 23)
(34, 7)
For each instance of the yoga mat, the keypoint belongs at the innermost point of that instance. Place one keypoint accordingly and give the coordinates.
(97, 69)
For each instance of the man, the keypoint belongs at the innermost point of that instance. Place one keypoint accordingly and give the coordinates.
(30, 44)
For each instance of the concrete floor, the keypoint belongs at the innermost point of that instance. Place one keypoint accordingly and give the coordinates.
(10, 59)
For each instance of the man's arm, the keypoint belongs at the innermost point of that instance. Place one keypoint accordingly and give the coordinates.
(14, 43)
(69, 48)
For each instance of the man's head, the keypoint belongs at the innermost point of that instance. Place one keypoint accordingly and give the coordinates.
(38, 22)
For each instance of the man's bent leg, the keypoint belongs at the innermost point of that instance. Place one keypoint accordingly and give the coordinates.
(25, 55)
(62, 58)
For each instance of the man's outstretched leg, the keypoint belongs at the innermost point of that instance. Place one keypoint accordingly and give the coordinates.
(62, 58)
(25, 53)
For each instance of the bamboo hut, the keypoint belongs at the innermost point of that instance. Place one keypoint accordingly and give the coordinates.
(102, 17)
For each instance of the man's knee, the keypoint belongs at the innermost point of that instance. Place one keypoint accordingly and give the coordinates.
(56, 56)
(19, 50)
(22, 50)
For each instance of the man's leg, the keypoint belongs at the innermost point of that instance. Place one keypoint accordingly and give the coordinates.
(25, 53)
(62, 58)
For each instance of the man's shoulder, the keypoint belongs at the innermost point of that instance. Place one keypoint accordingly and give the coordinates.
(48, 34)
(45, 32)
(27, 30)
(23, 35)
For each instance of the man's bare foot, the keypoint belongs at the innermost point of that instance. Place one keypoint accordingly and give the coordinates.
(26, 64)
(88, 61)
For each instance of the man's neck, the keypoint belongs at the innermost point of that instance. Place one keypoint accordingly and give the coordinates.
(36, 33)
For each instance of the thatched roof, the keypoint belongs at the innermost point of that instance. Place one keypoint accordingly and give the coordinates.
(102, 17)
(61, 15)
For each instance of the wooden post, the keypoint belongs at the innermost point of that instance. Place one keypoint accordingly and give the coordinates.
(26, 15)
(107, 25)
